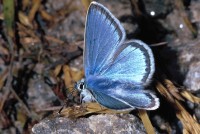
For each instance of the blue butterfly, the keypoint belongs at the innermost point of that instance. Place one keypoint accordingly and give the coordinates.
(116, 72)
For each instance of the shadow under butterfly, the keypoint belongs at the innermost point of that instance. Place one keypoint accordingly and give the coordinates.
(116, 72)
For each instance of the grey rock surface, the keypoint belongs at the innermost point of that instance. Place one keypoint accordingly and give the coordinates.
(98, 124)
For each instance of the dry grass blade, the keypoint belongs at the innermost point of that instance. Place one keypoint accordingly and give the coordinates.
(96, 108)
(34, 9)
(190, 97)
(85, 109)
(147, 123)
(24, 19)
(163, 91)
(27, 36)
(190, 125)
(53, 39)
(57, 70)
(173, 90)
(67, 77)
(45, 15)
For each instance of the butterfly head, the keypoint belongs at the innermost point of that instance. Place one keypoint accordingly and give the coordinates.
(80, 85)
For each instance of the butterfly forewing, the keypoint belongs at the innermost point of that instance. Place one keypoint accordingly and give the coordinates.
(103, 35)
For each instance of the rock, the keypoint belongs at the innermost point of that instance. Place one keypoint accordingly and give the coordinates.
(107, 123)
(192, 80)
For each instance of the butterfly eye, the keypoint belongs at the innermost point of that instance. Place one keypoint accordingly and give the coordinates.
(81, 86)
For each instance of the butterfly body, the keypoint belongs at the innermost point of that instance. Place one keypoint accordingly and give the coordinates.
(116, 72)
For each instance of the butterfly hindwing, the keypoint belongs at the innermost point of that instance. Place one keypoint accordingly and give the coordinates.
(121, 96)
(132, 63)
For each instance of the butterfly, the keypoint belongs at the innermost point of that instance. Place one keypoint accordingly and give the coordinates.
(116, 72)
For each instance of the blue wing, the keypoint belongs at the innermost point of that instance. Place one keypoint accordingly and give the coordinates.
(103, 35)
(116, 72)
(121, 96)
(132, 63)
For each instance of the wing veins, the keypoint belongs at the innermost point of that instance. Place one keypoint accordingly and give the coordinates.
(105, 44)
(114, 62)
(115, 98)
(97, 55)
(94, 37)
